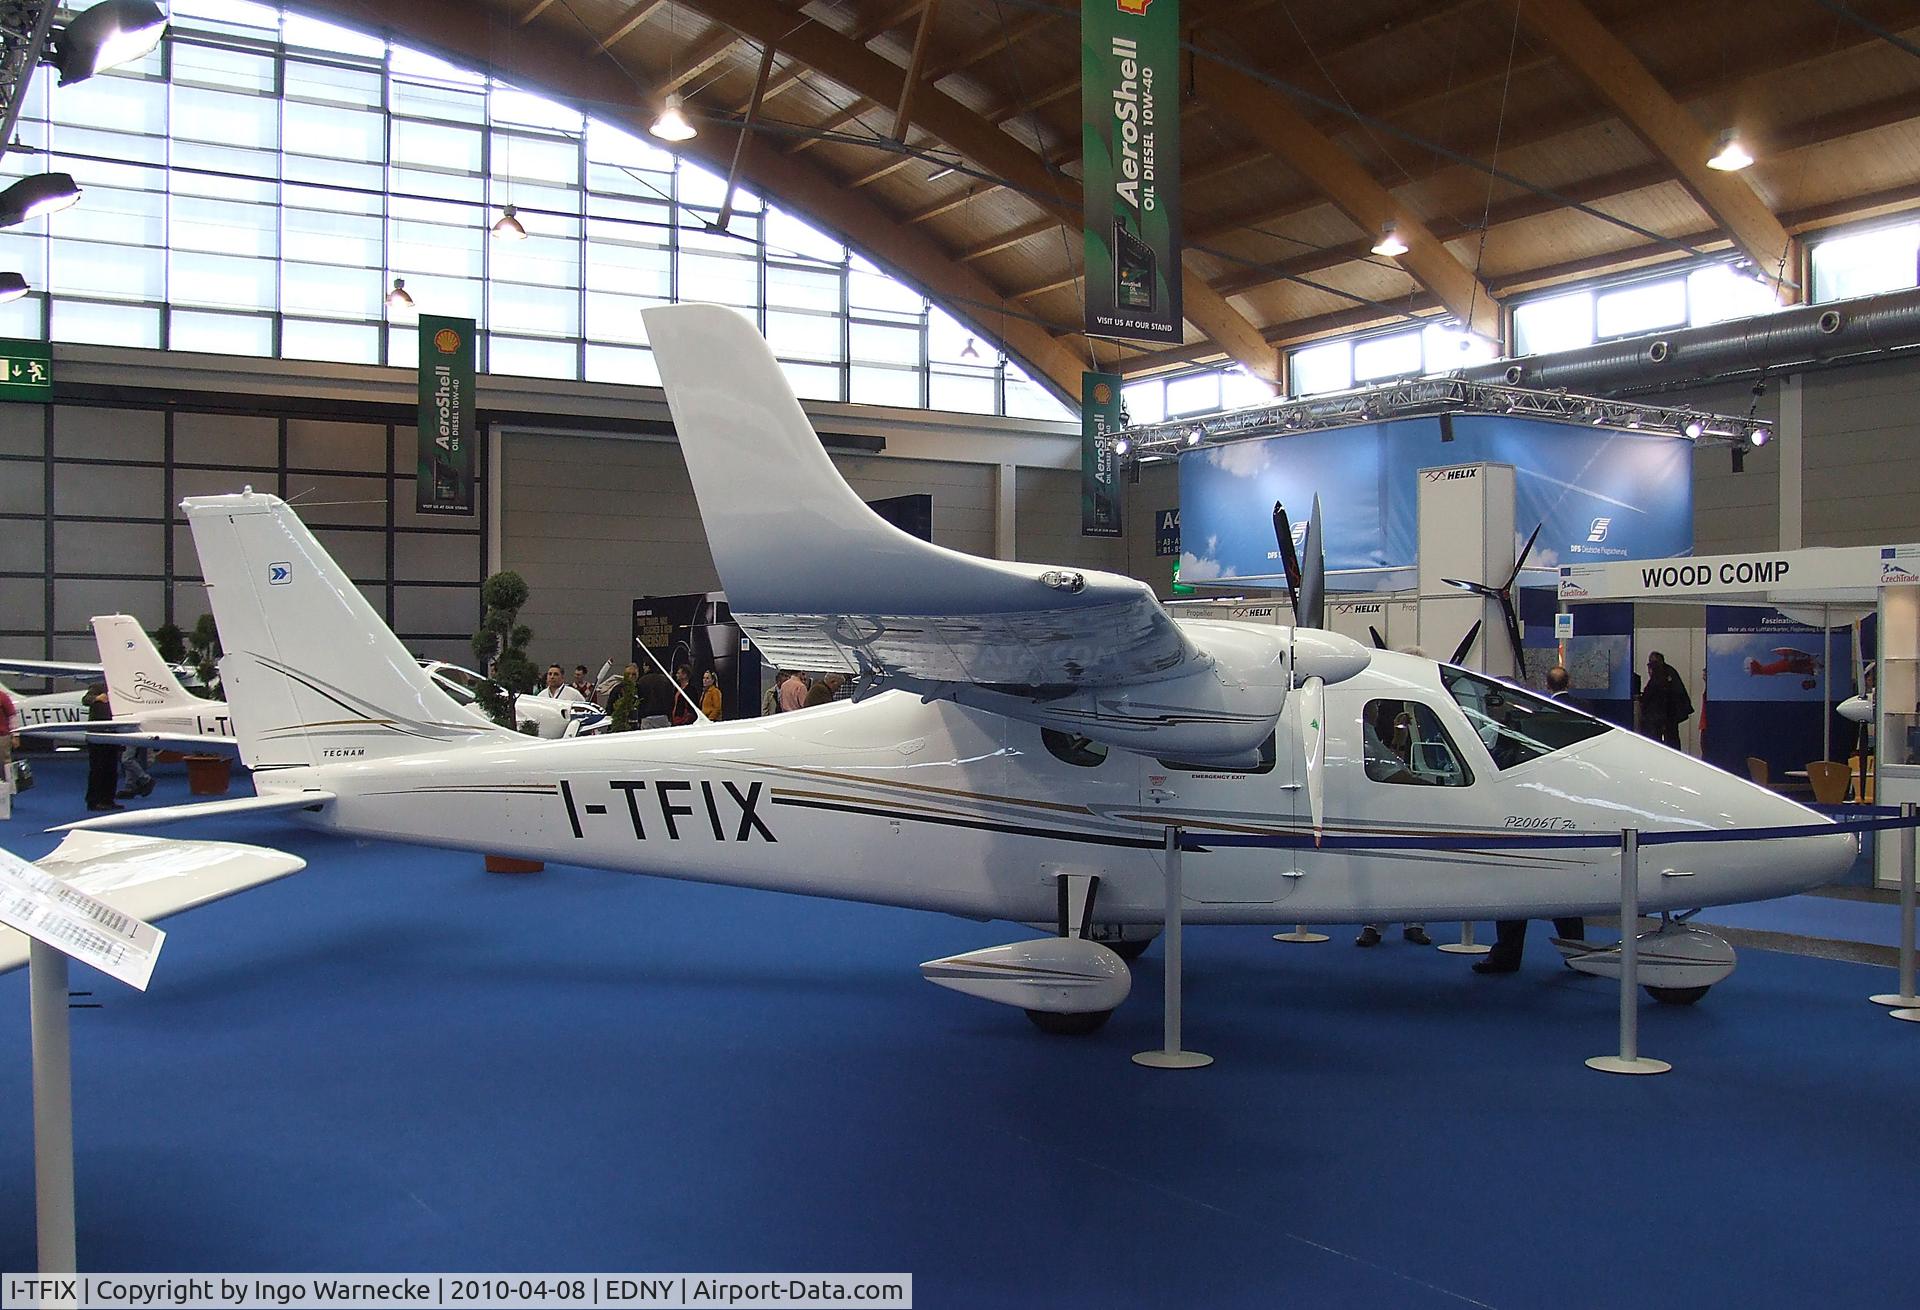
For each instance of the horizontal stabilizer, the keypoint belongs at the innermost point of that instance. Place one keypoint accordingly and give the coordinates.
(152, 877)
(161, 815)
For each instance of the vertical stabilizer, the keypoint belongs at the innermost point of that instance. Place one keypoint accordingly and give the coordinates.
(312, 674)
(137, 678)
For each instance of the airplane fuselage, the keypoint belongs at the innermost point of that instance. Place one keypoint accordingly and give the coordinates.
(941, 807)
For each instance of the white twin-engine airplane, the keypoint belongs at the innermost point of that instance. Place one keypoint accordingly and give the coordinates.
(1024, 737)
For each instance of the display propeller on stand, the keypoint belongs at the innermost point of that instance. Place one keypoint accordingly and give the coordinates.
(1504, 595)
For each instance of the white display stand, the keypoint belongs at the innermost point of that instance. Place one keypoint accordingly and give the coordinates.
(1629, 1060)
(1908, 1005)
(1170, 1055)
(1301, 935)
(1466, 945)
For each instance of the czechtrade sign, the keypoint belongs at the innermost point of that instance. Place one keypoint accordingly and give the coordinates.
(1601, 493)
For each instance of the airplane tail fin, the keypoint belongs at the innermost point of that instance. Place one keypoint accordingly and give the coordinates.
(312, 674)
(137, 678)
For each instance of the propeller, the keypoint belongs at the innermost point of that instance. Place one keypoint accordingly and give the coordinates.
(1504, 595)
(1307, 589)
(1313, 740)
(1379, 642)
(1289, 562)
(1466, 644)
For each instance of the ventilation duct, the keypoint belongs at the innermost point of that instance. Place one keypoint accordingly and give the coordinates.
(1803, 335)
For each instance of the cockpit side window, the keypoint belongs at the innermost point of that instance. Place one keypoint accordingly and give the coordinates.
(1072, 748)
(1405, 743)
(1514, 724)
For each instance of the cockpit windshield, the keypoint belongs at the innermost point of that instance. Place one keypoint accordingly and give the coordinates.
(1516, 725)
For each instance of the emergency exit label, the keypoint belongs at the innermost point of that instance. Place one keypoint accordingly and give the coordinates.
(26, 370)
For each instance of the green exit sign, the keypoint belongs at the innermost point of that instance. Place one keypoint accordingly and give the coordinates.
(26, 370)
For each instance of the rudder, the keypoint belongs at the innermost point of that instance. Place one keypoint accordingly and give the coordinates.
(312, 673)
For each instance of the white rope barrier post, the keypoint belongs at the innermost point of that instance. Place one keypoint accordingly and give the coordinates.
(1904, 998)
(1170, 1056)
(1300, 934)
(1466, 945)
(52, 1109)
(1629, 1060)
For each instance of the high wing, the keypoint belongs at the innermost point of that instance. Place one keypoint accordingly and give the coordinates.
(152, 877)
(129, 732)
(48, 668)
(160, 815)
(822, 582)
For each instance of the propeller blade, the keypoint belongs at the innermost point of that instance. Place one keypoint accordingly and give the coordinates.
(1513, 635)
(1379, 642)
(1477, 588)
(1525, 551)
(1289, 561)
(1313, 741)
(1466, 644)
(1313, 574)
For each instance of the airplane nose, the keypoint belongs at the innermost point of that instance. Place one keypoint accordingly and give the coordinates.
(1797, 863)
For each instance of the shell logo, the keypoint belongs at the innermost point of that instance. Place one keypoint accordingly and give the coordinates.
(1102, 393)
(446, 341)
(1133, 6)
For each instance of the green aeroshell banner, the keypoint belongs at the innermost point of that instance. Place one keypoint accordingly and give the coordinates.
(1100, 423)
(1130, 125)
(447, 430)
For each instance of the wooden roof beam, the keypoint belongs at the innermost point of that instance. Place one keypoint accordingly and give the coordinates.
(916, 62)
(1270, 118)
(633, 20)
(862, 32)
(867, 74)
(1589, 47)
(711, 50)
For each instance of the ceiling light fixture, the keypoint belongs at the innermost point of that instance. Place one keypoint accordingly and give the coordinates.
(945, 170)
(672, 125)
(1121, 445)
(1194, 434)
(508, 227)
(111, 33)
(1390, 243)
(1730, 156)
(1694, 428)
(400, 305)
(1758, 435)
(30, 197)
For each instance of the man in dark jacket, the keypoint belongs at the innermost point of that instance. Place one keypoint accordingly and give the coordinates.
(656, 698)
(1664, 703)
(103, 762)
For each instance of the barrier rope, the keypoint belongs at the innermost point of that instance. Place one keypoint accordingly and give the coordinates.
(1871, 819)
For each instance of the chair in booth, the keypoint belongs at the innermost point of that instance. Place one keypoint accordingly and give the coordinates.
(1757, 769)
(1830, 780)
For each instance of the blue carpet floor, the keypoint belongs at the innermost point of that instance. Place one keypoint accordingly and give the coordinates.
(1813, 916)
(395, 1061)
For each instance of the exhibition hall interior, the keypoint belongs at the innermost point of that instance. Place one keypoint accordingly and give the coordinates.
(959, 652)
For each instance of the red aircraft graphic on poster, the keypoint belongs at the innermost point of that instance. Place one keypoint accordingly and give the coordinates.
(1800, 663)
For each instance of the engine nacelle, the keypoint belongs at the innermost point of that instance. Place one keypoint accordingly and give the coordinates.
(1055, 975)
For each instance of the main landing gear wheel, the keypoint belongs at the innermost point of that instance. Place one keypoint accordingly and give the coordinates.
(1071, 1025)
(1130, 950)
(1676, 995)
